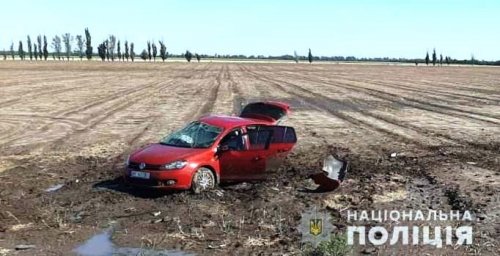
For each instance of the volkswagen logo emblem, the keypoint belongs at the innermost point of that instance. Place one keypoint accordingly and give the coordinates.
(142, 166)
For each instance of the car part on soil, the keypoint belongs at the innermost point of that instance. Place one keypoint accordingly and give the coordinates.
(334, 172)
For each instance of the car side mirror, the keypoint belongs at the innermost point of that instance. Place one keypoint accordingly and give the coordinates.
(223, 148)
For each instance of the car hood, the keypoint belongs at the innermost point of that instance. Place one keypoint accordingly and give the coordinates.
(158, 154)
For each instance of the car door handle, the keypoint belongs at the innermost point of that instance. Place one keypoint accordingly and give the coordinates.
(257, 158)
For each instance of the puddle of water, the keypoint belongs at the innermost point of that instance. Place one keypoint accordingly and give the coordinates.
(101, 245)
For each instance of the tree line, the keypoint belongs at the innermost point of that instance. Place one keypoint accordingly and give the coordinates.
(111, 49)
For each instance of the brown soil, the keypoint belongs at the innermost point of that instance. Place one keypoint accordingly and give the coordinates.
(74, 123)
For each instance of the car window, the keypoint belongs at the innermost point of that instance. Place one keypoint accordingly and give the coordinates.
(258, 137)
(283, 134)
(234, 140)
(194, 135)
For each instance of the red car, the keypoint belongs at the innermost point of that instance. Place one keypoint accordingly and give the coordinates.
(215, 148)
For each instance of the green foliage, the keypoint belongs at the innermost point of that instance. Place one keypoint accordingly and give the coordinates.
(155, 51)
(118, 50)
(149, 51)
(106, 49)
(188, 55)
(39, 41)
(144, 55)
(56, 45)
(295, 57)
(337, 246)
(88, 42)
(110, 45)
(163, 51)
(35, 51)
(21, 50)
(427, 59)
(12, 51)
(434, 58)
(45, 51)
(310, 56)
(132, 53)
(126, 50)
(67, 39)
(101, 50)
(197, 56)
(79, 43)
(30, 50)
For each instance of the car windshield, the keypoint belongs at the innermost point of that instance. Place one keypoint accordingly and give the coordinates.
(194, 135)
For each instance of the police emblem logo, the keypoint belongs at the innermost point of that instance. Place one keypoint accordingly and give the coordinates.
(315, 226)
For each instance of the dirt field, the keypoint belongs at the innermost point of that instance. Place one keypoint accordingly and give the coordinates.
(74, 124)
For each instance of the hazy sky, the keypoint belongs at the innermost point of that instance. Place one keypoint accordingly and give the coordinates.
(393, 28)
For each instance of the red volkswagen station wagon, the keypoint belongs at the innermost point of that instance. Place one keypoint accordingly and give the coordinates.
(215, 148)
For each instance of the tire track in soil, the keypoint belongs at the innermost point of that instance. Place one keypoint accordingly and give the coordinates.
(409, 102)
(135, 138)
(150, 121)
(136, 93)
(238, 98)
(423, 132)
(211, 98)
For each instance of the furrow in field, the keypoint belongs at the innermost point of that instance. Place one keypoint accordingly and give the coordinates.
(209, 101)
(349, 129)
(32, 79)
(387, 126)
(377, 118)
(47, 90)
(407, 101)
(428, 92)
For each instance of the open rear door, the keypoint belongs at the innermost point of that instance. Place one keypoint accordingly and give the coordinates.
(282, 140)
(267, 111)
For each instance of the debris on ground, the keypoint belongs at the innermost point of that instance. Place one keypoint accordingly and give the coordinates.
(21, 247)
(54, 188)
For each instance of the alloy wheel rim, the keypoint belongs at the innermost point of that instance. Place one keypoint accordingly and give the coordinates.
(204, 180)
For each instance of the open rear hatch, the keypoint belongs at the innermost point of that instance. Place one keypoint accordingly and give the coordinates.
(267, 111)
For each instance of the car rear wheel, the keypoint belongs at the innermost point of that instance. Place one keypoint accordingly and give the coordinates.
(203, 180)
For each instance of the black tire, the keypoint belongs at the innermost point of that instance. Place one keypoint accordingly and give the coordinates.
(203, 180)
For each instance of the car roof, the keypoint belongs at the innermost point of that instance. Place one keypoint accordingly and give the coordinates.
(229, 122)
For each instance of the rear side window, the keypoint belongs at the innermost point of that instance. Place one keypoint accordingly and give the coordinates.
(259, 137)
(283, 134)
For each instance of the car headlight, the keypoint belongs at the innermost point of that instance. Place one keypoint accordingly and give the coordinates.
(175, 165)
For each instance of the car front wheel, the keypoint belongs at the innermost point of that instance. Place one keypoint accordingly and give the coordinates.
(203, 180)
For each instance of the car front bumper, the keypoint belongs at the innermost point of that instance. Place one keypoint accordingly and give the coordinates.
(161, 179)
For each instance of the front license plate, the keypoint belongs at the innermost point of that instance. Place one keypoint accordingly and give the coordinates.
(140, 175)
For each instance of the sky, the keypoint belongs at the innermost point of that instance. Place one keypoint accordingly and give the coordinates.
(361, 28)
